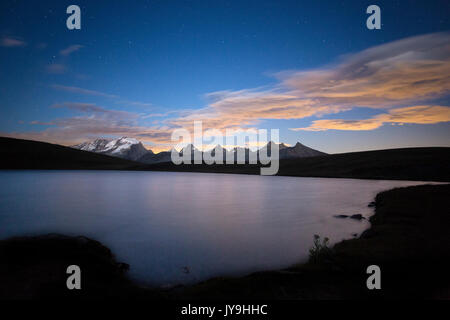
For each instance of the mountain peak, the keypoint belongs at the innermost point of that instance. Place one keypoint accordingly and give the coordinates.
(300, 151)
(129, 140)
(280, 145)
(123, 147)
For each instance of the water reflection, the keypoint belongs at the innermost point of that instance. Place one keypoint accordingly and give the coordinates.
(214, 224)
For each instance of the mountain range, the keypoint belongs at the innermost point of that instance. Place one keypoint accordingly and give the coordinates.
(418, 164)
(133, 149)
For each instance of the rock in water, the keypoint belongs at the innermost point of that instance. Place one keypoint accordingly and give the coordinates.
(341, 216)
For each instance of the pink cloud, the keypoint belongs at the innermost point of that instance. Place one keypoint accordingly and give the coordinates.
(12, 42)
(67, 51)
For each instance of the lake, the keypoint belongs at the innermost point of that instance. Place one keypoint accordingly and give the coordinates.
(161, 222)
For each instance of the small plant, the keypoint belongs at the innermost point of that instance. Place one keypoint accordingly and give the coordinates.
(320, 252)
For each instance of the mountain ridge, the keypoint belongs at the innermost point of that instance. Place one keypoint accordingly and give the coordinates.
(418, 164)
(133, 149)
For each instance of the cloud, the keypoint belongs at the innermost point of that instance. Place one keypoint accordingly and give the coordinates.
(82, 91)
(95, 121)
(88, 92)
(11, 42)
(412, 69)
(135, 103)
(403, 78)
(41, 123)
(56, 68)
(401, 73)
(418, 114)
(245, 108)
(412, 115)
(71, 131)
(67, 51)
(391, 75)
(97, 110)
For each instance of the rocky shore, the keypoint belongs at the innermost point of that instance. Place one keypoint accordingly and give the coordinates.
(35, 268)
(408, 239)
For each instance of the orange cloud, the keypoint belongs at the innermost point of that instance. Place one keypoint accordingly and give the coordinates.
(245, 108)
(403, 72)
(413, 115)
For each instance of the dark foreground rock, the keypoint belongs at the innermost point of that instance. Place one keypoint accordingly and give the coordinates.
(35, 267)
(357, 216)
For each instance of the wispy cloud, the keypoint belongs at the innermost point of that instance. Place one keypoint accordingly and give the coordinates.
(71, 131)
(11, 42)
(247, 108)
(407, 115)
(92, 108)
(402, 73)
(94, 121)
(67, 51)
(89, 92)
(135, 103)
(79, 90)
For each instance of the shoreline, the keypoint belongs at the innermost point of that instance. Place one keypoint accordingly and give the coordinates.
(402, 240)
(227, 173)
(408, 238)
(412, 164)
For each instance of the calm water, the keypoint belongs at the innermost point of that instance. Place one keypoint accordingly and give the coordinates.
(158, 222)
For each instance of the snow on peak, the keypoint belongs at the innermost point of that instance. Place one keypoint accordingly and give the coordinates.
(124, 147)
(128, 140)
(120, 144)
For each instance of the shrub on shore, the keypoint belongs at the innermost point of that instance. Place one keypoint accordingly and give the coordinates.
(320, 252)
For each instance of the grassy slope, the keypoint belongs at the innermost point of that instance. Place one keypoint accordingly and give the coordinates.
(26, 154)
(408, 239)
(427, 164)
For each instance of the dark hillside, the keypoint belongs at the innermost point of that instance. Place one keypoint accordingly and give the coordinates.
(26, 154)
(426, 164)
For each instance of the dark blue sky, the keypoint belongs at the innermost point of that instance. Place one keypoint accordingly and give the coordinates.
(151, 58)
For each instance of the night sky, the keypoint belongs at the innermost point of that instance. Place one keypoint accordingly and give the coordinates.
(310, 68)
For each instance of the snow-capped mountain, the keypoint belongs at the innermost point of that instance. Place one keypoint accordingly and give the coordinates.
(132, 149)
(124, 147)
